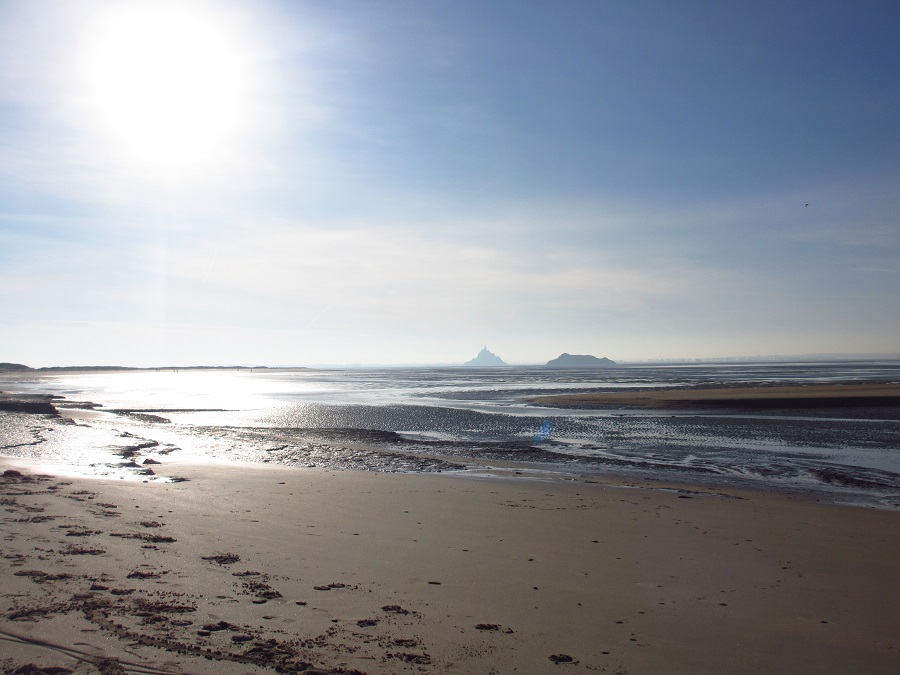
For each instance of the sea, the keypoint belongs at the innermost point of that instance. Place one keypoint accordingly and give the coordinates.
(469, 421)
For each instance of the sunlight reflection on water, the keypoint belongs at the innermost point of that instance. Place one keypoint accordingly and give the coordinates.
(186, 389)
(450, 418)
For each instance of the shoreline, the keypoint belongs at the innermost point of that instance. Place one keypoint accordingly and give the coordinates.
(736, 397)
(142, 446)
(340, 572)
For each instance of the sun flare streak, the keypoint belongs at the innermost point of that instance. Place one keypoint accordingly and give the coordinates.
(166, 84)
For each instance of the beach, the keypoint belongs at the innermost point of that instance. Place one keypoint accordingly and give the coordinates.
(253, 569)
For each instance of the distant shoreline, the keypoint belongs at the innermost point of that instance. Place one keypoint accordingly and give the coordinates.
(12, 369)
(777, 397)
(19, 373)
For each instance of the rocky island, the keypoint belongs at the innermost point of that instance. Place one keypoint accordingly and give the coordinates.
(486, 359)
(579, 361)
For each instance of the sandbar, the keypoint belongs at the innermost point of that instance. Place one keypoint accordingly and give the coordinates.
(772, 397)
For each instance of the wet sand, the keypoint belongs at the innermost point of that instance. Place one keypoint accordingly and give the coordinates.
(251, 568)
(780, 397)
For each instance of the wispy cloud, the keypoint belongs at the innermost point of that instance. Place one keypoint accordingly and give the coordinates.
(387, 271)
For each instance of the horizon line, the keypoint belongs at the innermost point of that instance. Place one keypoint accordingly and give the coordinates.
(827, 356)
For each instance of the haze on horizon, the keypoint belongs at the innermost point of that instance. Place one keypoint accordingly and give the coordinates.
(286, 183)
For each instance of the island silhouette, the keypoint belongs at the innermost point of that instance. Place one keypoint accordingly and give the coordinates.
(485, 358)
(579, 361)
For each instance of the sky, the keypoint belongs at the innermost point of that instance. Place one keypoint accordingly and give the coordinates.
(303, 183)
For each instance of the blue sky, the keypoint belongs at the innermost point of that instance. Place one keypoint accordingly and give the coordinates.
(293, 183)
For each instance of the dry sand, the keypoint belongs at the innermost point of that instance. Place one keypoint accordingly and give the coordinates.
(249, 569)
(804, 396)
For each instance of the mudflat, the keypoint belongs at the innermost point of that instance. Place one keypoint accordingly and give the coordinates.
(804, 396)
(255, 569)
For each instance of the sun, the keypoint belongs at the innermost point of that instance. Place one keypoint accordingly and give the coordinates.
(166, 83)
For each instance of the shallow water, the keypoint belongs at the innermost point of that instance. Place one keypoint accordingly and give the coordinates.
(455, 418)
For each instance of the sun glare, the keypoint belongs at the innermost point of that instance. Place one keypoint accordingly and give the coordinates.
(166, 83)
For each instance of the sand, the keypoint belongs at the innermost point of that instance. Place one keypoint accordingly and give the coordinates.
(777, 397)
(252, 569)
